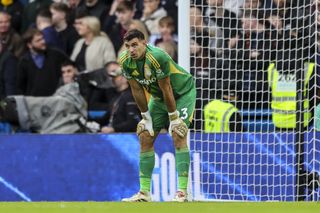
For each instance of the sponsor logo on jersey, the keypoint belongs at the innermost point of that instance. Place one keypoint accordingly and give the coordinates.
(147, 81)
(135, 73)
(159, 73)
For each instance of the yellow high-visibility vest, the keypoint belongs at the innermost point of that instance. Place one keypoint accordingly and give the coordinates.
(283, 102)
(217, 115)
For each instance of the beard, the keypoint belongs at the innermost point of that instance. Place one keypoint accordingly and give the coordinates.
(39, 50)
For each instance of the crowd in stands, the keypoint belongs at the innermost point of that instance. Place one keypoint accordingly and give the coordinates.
(49, 44)
(46, 43)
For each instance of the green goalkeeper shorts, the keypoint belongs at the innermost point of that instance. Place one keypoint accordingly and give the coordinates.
(159, 113)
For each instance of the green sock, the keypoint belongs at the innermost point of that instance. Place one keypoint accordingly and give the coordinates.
(146, 168)
(182, 165)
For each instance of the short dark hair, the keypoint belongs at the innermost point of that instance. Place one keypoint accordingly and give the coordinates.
(29, 34)
(125, 5)
(68, 63)
(61, 7)
(45, 13)
(131, 34)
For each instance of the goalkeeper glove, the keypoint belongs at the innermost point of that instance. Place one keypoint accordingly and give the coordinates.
(177, 125)
(145, 124)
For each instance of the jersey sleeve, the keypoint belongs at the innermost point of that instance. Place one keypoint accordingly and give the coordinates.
(125, 71)
(163, 69)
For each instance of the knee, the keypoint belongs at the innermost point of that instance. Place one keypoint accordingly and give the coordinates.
(178, 141)
(146, 141)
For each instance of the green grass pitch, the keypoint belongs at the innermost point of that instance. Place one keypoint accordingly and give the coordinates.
(164, 207)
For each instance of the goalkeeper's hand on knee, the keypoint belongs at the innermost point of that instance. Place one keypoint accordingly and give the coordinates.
(177, 125)
(145, 124)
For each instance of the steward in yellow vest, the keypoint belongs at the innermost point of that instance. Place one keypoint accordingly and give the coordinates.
(217, 117)
(283, 89)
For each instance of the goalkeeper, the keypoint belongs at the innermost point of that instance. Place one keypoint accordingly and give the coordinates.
(172, 103)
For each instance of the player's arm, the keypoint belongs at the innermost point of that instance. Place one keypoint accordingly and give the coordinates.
(168, 97)
(139, 96)
(177, 125)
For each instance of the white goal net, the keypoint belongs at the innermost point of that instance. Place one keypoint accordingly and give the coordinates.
(255, 64)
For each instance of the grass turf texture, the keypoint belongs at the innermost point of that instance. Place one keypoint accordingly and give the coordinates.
(165, 207)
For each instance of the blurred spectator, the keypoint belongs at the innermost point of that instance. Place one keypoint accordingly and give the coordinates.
(110, 19)
(94, 49)
(60, 20)
(39, 69)
(97, 8)
(123, 114)
(69, 72)
(50, 35)
(152, 13)
(223, 25)
(124, 14)
(170, 47)
(73, 6)
(8, 70)
(199, 31)
(171, 6)
(10, 40)
(166, 29)
(15, 9)
(31, 11)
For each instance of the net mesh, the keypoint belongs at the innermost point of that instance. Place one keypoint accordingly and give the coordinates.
(250, 59)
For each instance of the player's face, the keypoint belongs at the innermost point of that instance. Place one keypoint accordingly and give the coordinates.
(136, 48)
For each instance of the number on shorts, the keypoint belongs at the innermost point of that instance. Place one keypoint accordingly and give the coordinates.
(184, 112)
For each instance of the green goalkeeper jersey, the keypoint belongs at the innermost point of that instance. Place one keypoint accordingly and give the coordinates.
(156, 65)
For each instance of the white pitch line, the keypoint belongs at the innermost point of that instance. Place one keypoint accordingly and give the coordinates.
(14, 189)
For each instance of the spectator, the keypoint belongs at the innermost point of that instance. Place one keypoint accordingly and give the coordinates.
(31, 11)
(50, 35)
(170, 47)
(15, 9)
(97, 8)
(39, 69)
(10, 40)
(123, 114)
(74, 6)
(8, 70)
(223, 24)
(94, 49)
(60, 21)
(152, 13)
(124, 14)
(69, 72)
(166, 29)
(110, 20)
(171, 6)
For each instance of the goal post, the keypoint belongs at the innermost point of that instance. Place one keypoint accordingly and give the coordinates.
(256, 63)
